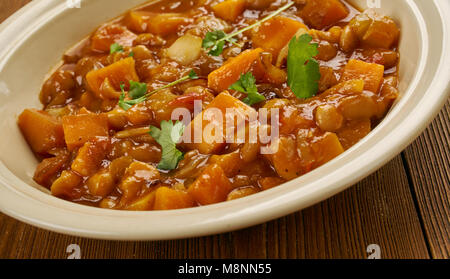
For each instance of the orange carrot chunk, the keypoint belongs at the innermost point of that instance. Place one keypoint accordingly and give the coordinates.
(212, 186)
(156, 23)
(90, 156)
(123, 71)
(42, 131)
(81, 128)
(167, 199)
(207, 128)
(275, 33)
(370, 73)
(107, 35)
(222, 78)
(322, 13)
(229, 9)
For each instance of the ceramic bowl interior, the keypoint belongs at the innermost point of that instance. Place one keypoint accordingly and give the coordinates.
(33, 41)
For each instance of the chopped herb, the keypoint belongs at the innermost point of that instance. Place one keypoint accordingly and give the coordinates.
(115, 48)
(131, 54)
(303, 70)
(138, 91)
(168, 137)
(247, 84)
(215, 41)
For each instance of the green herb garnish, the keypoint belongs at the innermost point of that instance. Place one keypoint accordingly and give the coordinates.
(138, 91)
(215, 41)
(115, 48)
(247, 84)
(303, 70)
(168, 137)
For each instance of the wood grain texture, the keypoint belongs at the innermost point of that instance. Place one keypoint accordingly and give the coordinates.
(404, 208)
(428, 162)
(8, 7)
(379, 210)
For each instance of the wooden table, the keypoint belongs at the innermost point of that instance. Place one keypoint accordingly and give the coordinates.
(404, 208)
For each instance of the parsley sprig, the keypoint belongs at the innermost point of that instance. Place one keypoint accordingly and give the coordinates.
(303, 70)
(215, 41)
(247, 84)
(115, 48)
(168, 137)
(138, 91)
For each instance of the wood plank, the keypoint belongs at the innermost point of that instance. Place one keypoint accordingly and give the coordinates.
(8, 7)
(428, 162)
(379, 210)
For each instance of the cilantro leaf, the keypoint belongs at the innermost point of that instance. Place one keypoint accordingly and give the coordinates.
(193, 75)
(215, 41)
(115, 48)
(303, 70)
(168, 137)
(247, 84)
(137, 89)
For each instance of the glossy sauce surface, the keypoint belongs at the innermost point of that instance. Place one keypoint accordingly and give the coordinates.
(116, 168)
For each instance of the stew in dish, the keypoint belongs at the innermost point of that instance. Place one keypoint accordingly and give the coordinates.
(166, 106)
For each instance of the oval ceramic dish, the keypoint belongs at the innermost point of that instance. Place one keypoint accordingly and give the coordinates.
(33, 40)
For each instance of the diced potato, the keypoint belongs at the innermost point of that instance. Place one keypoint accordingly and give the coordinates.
(90, 156)
(242, 193)
(48, 168)
(123, 71)
(322, 13)
(42, 131)
(212, 186)
(64, 186)
(157, 23)
(229, 9)
(222, 78)
(135, 178)
(185, 49)
(285, 159)
(106, 35)
(326, 148)
(210, 141)
(353, 132)
(169, 199)
(78, 129)
(371, 73)
(137, 21)
(328, 118)
(229, 163)
(285, 28)
(144, 203)
(270, 182)
(101, 184)
(375, 30)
